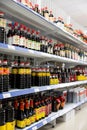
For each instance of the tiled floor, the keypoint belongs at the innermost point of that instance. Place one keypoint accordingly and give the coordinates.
(79, 122)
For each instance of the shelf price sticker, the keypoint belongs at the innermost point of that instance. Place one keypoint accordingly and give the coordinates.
(34, 128)
(36, 90)
(48, 87)
(6, 95)
(44, 122)
(11, 47)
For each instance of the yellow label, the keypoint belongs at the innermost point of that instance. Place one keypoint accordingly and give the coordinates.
(21, 124)
(47, 74)
(27, 71)
(21, 71)
(44, 74)
(28, 121)
(33, 74)
(14, 71)
(39, 74)
(37, 114)
(3, 127)
(10, 125)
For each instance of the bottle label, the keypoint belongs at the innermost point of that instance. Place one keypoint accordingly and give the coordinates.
(21, 71)
(33, 74)
(16, 40)
(10, 40)
(21, 41)
(1, 70)
(27, 105)
(6, 71)
(27, 71)
(22, 106)
(14, 71)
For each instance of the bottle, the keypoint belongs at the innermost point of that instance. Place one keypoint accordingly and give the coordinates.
(2, 28)
(36, 9)
(9, 116)
(6, 72)
(63, 74)
(33, 77)
(38, 40)
(10, 35)
(27, 74)
(21, 118)
(51, 17)
(47, 76)
(42, 12)
(46, 13)
(39, 75)
(21, 38)
(29, 43)
(2, 118)
(55, 104)
(14, 73)
(33, 35)
(21, 74)
(25, 37)
(16, 107)
(32, 111)
(16, 34)
(1, 74)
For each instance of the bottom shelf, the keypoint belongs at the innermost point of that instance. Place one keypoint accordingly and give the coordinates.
(53, 115)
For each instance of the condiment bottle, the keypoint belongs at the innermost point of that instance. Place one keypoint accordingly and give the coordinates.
(51, 17)
(46, 13)
(10, 35)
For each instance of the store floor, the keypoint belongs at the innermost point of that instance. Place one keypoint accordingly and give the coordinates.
(79, 122)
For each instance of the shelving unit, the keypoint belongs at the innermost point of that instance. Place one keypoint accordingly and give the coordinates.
(54, 115)
(17, 11)
(12, 7)
(19, 92)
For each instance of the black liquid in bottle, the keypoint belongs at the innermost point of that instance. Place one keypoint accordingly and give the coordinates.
(1, 75)
(2, 115)
(6, 73)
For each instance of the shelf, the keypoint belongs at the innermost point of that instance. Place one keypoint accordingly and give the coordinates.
(19, 12)
(9, 49)
(19, 92)
(54, 115)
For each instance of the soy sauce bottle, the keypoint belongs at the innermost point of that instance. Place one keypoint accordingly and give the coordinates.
(9, 116)
(21, 115)
(14, 73)
(6, 73)
(51, 17)
(33, 77)
(1, 75)
(21, 74)
(47, 76)
(2, 118)
(27, 74)
(21, 34)
(16, 106)
(10, 35)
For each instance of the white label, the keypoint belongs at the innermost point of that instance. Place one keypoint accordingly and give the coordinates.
(48, 87)
(21, 41)
(52, 118)
(44, 122)
(11, 47)
(36, 89)
(34, 128)
(10, 40)
(6, 95)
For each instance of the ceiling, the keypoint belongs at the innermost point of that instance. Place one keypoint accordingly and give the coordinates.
(77, 9)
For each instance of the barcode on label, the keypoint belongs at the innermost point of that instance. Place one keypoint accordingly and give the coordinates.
(34, 128)
(6, 95)
(11, 47)
(36, 89)
(44, 122)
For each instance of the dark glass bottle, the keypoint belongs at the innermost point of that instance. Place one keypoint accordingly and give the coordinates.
(16, 35)
(51, 17)
(21, 38)
(21, 75)
(9, 116)
(33, 77)
(29, 38)
(63, 75)
(33, 36)
(6, 73)
(1, 74)
(27, 74)
(16, 107)
(46, 13)
(36, 8)
(38, 40)
(2, 117)
(47, 76)
(10, 35)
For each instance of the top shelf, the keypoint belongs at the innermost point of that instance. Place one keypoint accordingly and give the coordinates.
(17, 11)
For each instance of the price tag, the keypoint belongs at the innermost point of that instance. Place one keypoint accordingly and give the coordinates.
(52, 118)
(6, 95)
(44, 122)
(48, 87)
(36, 89)
(34, 128)
(11, 47)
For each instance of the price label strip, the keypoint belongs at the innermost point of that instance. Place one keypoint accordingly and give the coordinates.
(6, 95)
(36, 90)
(44, 122)
(11, 47)
(34, 128)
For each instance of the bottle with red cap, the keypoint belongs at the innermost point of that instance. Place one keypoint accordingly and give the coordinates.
(46, 13)
(42, 12)
(29, 42)
(16, 34)
(36, 9)
(2, 28)
(10, 35)
(33, 35)
(38, 40)
(51, 17)
(21, 40)
(25, 37)
(50, 47)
